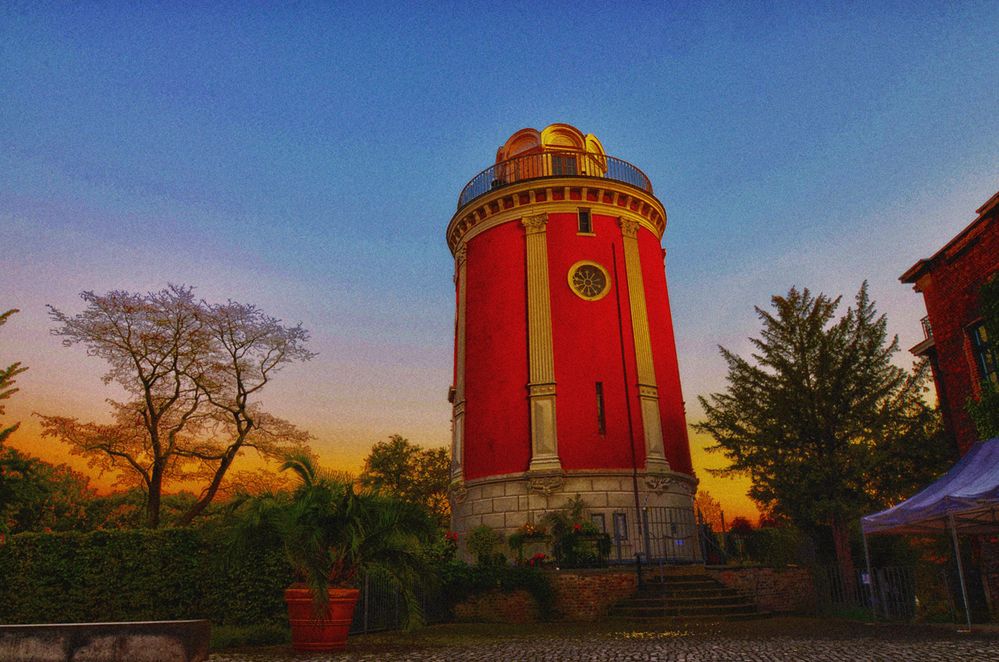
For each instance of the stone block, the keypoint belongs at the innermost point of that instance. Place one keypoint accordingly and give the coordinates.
(620, 500)
(150, 641)
(514, 520)
(482, 506)
(505, 504)
(494, 520)
(516, 488)
(596, 499)
(493, 490)
(606, 484)
(538, 502)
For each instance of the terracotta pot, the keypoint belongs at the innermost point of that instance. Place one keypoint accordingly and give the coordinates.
(320, 632)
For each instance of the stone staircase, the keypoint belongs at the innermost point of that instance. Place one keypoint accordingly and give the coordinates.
(686, 597)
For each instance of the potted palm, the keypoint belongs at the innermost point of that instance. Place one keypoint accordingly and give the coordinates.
(331, 533)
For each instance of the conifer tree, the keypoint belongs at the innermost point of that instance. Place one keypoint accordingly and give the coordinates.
(821, 419)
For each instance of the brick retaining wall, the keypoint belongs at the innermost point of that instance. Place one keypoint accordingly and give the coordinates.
(580, 595)
(786, 590)
(587, 595)
(498, 607)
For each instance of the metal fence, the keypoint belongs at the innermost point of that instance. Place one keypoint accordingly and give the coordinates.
(890, 592)
(382, 607)
(552, 164)
(660, 534)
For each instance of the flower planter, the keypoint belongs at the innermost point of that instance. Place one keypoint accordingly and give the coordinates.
(323, 632)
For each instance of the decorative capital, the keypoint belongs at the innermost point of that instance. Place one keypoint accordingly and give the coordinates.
(535, 390)
(629, 228)
(459, 255)
(658, 484)
(458, 494)
(547, 485)
(647, 391)
(535, 224)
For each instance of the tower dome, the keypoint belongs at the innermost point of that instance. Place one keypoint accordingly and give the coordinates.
(565, 373)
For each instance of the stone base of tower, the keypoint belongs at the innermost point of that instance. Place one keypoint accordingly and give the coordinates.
(662, 527)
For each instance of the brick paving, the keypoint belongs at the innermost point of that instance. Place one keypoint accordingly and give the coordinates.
(756, 641)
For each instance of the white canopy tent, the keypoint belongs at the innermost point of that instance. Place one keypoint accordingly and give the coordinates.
(964, 500)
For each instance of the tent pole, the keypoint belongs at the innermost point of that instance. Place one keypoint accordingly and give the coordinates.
(870, 575)
(960, 568)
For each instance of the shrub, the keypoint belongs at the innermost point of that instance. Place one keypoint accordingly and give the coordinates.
(482, 542)
(138, 575)
(461, 581)
(577, 542)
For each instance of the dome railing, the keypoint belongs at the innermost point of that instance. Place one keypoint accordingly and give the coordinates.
(552, 164)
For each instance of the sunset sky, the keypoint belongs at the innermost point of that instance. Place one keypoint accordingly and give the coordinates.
(307, 158)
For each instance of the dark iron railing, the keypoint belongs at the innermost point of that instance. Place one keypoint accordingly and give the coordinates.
(927, 329)
(552, 164)
(667, 535)
(889, 594)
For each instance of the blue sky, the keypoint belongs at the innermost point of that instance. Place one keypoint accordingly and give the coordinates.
(306, 157)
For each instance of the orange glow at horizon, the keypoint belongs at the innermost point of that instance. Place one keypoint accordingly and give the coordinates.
(729, 492)
(347, 453)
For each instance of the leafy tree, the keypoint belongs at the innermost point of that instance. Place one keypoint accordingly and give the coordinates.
(984, 410)
(411, 472)
(710, 509)
(193, 372)
(39, 496)
(7, 380)
(34, 495)
(823, 422)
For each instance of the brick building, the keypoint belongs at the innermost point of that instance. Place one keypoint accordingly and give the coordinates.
(955, 340)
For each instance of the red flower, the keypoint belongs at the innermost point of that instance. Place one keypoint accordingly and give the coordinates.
(577, 527)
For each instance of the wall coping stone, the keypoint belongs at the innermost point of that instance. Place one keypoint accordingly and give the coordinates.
(137, 641)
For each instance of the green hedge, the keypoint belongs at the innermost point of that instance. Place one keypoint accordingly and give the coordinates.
(123, 575)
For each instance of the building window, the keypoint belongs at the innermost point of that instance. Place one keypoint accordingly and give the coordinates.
(589, 280)
(985, 351)
(601, 421)
(620, 526)
(599, 522)
(563, 165)
(585, 222)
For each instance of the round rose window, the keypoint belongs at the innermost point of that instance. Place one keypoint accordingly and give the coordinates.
(589, 280)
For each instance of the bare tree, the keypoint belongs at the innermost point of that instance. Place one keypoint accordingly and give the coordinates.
(247, 348)
(191, 370)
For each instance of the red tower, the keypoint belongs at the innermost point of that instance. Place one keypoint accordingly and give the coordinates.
(565, 370)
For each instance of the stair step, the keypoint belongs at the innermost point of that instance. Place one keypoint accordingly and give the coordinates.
(705, 593)
(686, 581)
(640, 600)
(707, 610)
(676, 598)
(681, 619)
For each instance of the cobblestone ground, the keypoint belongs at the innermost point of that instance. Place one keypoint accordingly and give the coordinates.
(757, 641)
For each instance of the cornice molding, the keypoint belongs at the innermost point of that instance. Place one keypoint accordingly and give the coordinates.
(519, 200)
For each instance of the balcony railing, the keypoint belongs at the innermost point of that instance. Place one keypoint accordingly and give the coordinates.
(552, 164)
(927, 329)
